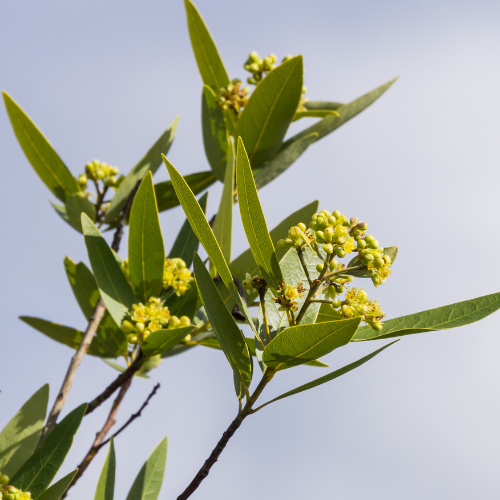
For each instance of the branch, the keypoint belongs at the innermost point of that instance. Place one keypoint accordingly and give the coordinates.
(90, 331)
(116, 384)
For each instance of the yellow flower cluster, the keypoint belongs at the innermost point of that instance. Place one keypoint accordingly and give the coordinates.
(256, 283)
(234, 97)
(99, 171)
(10, 492)
(287, 296)
(176, 275)
(149, 318)
(375, 261)
(357, 303)
(258, 67)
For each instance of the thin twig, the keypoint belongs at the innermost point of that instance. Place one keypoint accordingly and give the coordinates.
(300, 253)
(90, 331)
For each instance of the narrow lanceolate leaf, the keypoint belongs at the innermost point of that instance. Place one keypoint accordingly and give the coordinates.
(146, 253)
(70, 337)
(207, 57)
(106, 485)
(163, 340)
(206, 236)
(57, 490)
(186, 242)
(319, 105)
(441, 318)
(245, 262)
(165, 192)
(147, 484)
(45, 161)
(38, 471)
(347, 111)
(61, 211)
(20, 436)
(254, 221)
(314, 113)
(149, 162)
(299, 344)
(76, 205)
(282, 160)
(214, 133)
(226, 330)
(331, 376)
(85, 289)
(113, 286)
(266, 116)
(223, 224)
(391, 252)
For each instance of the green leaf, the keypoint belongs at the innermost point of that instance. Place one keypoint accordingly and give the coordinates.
(38, 471)
(269, 111)
(327, 313)
(113, 286)
(57, 490)
(20, 436)
(254, 221)
(207, 57)
(61, 211)
(331, 376)
(185, 305)
(228, 334)
(163, 340)
(214, 133)
(392, 252)
(206, 236)
(106, 485)
(441, 318)
(281, 161)
(165, 192)
(70, 337)
(85, 289)
(146, 253)
(76, 205)
(223, 224)
(245, 262)
(186, 242)
(314, 113)
(148, 482)
(149, 162)
(42, 156)
(299, 344)
(347, 111)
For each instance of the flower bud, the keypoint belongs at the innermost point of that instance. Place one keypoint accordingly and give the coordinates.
(336, 303)
(319, 267)
(302, 227)
(340, 252)
(294, 233)
(185, 321)
(353, 221)
(140, 326)
(369, 239)
(338, 288)
(128, 327)
(289, 242)
(281, 244)
(132, 338)
(378, 263)
(320, 236)
(187, 338)
(4, 479)
(336, 214)
(361, 244)
(328, 248)
(333, 265)
(331, 220)
(173, 322)
(361, 226)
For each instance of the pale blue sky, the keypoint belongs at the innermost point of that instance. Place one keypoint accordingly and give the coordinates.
(103, 79)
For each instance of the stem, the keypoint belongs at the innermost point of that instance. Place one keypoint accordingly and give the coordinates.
(322, 301)
(343, 271)
(90, 331)
(264, 314)
(116, 384)
(300, 253)
(228, 434)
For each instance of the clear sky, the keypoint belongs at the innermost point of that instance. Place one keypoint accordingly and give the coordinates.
(103, 79)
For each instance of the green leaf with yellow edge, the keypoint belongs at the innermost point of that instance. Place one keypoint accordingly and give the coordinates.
(147, 484)
(149, 162)
(57, 490)
(87, 294)
(146, 252)
(76, 205)
(214, 133)
(113, 286)
(162, 340)
(228, 334)
(37, 472)
(331, 376)
(39, 152)
(347, 111)
(254, 222)
(269, 111)
(206, 236)
(223, 224)
(106, 485)
(282, 160)
(71, 337)
(207, 56)
(186, 242)
(299, 344)
(20, 436)
(441, 318)
(165, 192)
